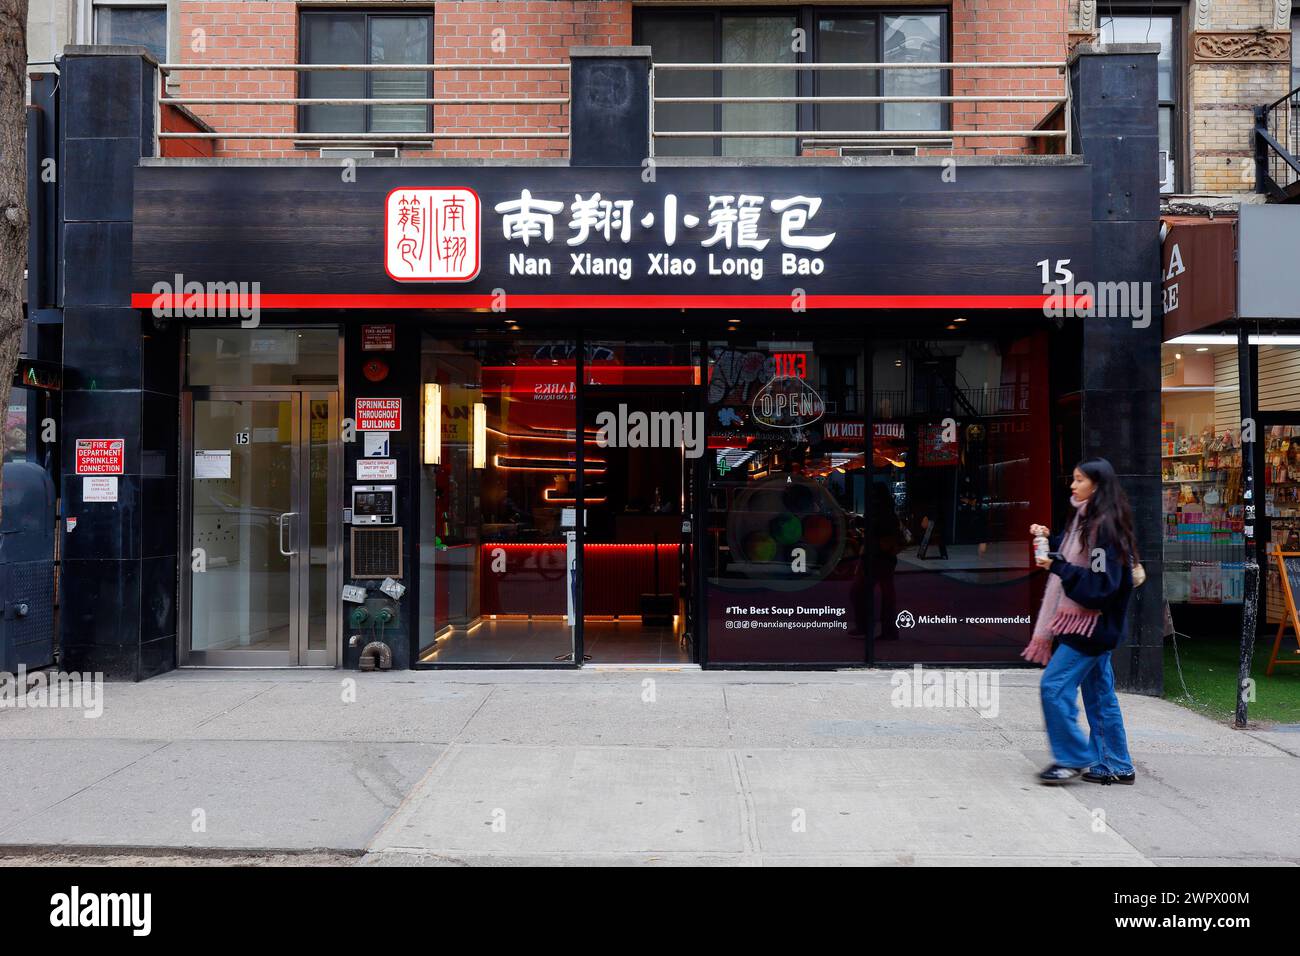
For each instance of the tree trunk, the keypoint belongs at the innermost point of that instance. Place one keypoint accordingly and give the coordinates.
(13, 187)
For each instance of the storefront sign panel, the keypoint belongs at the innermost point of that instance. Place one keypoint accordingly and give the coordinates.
(725, 237)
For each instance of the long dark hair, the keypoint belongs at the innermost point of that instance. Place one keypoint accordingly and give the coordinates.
(1108, 517)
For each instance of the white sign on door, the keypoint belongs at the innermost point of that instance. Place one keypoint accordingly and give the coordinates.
(376, 469)
(211, 464)
(99, 488)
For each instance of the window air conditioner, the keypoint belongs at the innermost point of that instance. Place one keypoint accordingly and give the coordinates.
(358, 152)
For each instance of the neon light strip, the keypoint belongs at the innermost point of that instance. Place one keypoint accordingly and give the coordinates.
(591, 366)
(521, 437)
(484, 301)
(559, 464)
(544, 546)
(552, 499)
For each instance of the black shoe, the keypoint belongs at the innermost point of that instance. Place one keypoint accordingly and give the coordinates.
(1107, 778)
(1056, 774)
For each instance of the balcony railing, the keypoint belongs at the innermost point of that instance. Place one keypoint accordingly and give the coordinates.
(971, 116)
(1277, 148)
(230, 128)
(475, 111)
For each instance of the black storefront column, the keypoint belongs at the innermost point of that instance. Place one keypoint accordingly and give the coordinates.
(119, 562)
(1115, 122)
(401, 380)
(609, 113)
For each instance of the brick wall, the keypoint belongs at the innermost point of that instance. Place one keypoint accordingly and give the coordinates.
(240, 31)
(1222, 97)
(1219, 96)
(478, 31)
(1006, 31)
(465, 31)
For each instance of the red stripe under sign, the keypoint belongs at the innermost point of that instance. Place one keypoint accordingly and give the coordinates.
(486, 301)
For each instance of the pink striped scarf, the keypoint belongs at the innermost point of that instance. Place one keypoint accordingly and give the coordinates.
(1058, 614)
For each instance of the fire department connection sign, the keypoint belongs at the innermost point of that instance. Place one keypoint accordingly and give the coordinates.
(379, 414)
(100, 456)
(432, 234)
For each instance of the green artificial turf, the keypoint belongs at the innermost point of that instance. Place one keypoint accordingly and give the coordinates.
(1209, 668)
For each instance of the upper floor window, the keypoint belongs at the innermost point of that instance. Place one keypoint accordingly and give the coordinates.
(133, 23)
(1160, 25)
(1295, 50)
(793, 36)
(365, 38)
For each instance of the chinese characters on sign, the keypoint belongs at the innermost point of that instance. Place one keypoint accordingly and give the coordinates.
(432, 234)
(733, 223)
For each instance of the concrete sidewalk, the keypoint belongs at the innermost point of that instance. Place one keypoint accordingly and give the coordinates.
(602, 767)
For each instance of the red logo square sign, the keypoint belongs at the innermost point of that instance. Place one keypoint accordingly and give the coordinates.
(432, 234)
(379, 414)
(101, 456)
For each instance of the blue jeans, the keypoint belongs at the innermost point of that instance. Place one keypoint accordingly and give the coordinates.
(1106, 747)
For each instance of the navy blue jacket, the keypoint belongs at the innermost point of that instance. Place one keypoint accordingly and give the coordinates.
(1107, 591)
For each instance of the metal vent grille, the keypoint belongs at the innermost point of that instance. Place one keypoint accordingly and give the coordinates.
(376, 552)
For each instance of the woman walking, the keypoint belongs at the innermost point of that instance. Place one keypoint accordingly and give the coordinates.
(1084, 610)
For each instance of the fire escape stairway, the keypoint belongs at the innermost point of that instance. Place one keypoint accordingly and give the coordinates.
(1277, 148)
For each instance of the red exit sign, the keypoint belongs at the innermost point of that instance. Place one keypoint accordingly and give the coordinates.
(791, 364)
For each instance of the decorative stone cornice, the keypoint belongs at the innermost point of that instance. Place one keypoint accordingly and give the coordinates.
(1281, 14)
(1088, 15)
(1241, 46)
(1075, 37)
(1203, 14)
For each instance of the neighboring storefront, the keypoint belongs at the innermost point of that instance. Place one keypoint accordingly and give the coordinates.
(518, 414)
(1229, 306)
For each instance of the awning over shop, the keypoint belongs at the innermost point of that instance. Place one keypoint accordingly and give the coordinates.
(1198, 272)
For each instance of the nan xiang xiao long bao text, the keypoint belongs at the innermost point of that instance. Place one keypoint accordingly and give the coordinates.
(734, 221)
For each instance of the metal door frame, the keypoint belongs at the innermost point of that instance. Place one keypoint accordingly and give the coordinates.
(298, 654)
(330, 655)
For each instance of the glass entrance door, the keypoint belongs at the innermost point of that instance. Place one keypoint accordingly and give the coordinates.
(262, 469)
(639, 492)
